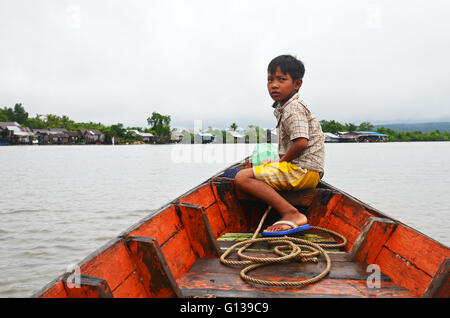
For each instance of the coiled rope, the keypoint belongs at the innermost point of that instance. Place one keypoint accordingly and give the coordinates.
(292, 245)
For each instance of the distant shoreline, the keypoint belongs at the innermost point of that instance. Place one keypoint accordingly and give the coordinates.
(213, 143)
(17, 127)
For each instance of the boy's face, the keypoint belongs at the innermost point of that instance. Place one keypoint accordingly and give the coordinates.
(281, 86)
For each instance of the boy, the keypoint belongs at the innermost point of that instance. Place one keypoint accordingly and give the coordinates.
(301, 149)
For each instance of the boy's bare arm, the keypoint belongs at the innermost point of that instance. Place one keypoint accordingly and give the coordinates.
(295, 150)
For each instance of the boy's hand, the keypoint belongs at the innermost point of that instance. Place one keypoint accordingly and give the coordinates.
(296, 149)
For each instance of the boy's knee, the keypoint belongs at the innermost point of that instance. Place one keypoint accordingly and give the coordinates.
(239, 177)
(242, 175)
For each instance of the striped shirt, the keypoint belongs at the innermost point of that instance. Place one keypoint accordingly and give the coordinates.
(295, 120)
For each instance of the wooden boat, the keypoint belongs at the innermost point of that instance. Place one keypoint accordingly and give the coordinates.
(175, 251)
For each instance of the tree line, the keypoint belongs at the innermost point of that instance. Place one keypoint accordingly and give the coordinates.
(159, 126)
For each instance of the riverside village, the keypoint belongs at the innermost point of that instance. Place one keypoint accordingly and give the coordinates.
(12, 133)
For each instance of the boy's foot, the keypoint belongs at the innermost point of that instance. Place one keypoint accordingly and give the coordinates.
(296, 217)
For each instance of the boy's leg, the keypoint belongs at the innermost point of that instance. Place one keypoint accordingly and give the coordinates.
(247, 184)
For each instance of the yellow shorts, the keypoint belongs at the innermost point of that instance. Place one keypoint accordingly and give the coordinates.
(285, 176)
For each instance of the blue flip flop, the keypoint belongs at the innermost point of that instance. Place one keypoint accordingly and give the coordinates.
(230, 173)
(294, 229)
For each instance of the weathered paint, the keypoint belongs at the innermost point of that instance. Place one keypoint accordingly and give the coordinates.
(152, 268)
(372, 239)
(161, 226)
(440, 284)
(199, 229)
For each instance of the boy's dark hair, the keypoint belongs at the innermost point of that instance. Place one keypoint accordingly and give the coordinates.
(288, 64)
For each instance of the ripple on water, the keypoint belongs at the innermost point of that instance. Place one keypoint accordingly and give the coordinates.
(20, 211)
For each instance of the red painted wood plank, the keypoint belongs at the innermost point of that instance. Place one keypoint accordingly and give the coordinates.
(402, 272)
(335, 223)
(419, 250)
(322, 207)
(232, 286)
(371, 240)
(131, 287)
(232, 213)
(151, 269)
(352, 213)
(113, 265)
(179, 254)
(215, 219)
(56, 291)
(199, 230)
(161, 226)
(202, 196)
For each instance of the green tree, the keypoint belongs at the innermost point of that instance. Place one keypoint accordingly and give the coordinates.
(36, 122)
(67, 122)
(8, 114)
(233, 126)
(20, 115)
(3, 116)
(17, 114)
(365, 126)
(351, 127)
(117, 130)
(160, 127)
(52, 121)
(331, 126)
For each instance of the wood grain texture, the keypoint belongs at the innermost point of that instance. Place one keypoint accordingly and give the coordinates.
(209, 277)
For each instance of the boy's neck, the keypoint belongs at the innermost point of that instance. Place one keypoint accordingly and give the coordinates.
(283, 102)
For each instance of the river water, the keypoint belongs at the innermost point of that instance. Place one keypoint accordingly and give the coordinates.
(60, 203)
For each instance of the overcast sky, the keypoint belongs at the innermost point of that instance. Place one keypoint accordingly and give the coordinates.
(118, 61)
